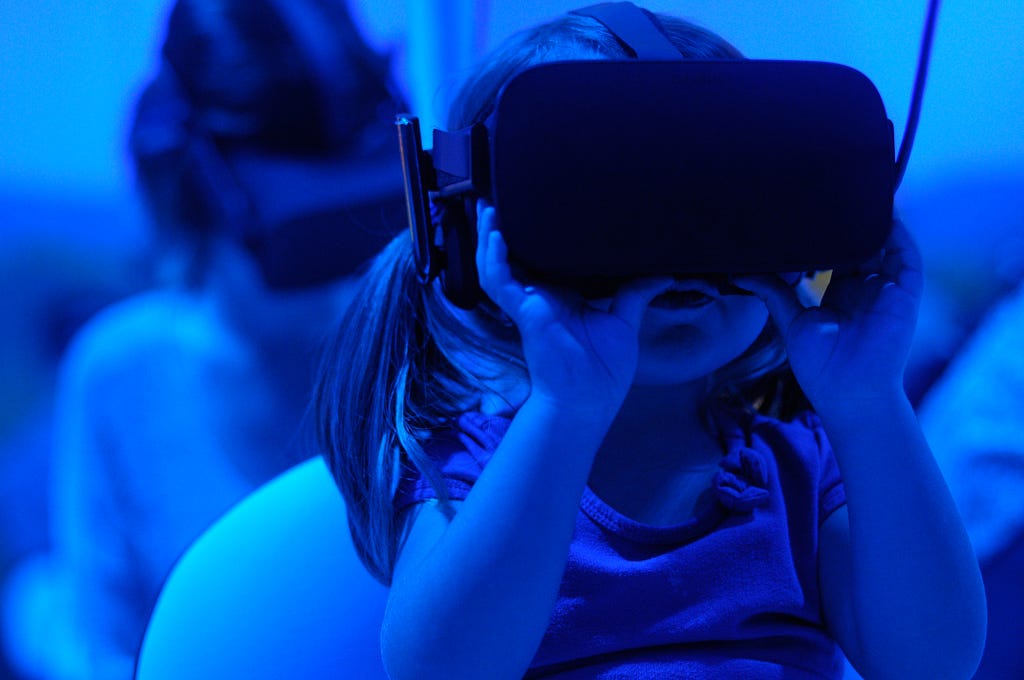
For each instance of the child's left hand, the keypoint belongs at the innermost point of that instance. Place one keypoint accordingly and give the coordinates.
(854, 346)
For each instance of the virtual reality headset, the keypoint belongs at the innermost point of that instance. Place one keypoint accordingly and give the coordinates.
(302, 171)
(602, 171)
(309, 221)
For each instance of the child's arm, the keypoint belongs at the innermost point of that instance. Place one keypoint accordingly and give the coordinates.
(472, 595)
(901, 587)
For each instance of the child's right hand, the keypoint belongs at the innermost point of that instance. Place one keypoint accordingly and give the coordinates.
(579, 357)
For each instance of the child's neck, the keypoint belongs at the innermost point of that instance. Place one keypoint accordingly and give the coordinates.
(655, 418)
(658, 456)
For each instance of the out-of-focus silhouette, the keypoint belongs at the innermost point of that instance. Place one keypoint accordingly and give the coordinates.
(971, 383)
(53, 277)
(975, 419)
(263, 150)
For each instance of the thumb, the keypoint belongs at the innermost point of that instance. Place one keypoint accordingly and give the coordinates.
(779, 297)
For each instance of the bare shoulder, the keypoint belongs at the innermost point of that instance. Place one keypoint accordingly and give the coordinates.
(142, 329)
(273, 589)
(160, 338)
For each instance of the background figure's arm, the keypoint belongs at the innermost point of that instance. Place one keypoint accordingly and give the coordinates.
(974, 420)
(103, 617)
(140, 471)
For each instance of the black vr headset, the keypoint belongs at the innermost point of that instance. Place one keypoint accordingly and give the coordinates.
(602, 171)
(305, 221)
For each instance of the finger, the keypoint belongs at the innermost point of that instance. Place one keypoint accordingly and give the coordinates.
(484, 226)
(496, 277)
(631, 299)
(492, 254)
(492, 259)
(859, 270)
(782, 300)
(852, 281)
(902, 262)
(899, 249)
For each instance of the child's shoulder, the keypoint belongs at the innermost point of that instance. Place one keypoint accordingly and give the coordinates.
(797, 452)
(471, 434)
(457, 451)
(799, 432)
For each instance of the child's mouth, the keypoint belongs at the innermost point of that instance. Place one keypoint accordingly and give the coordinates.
(681, 300)
(686, 294)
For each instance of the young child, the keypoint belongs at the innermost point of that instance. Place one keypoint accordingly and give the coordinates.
(561, 487)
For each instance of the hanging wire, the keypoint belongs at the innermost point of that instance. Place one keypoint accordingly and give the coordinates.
(915, 102)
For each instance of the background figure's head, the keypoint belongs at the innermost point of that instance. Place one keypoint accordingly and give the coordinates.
(407, 360)
(250, 99)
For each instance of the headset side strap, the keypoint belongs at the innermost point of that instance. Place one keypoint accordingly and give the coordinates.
(461, 161)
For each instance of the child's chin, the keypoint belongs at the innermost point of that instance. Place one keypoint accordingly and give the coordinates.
(654, 373)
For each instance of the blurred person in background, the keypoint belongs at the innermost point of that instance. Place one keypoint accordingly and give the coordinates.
(263, 150)
(52, 279)
(974, 414)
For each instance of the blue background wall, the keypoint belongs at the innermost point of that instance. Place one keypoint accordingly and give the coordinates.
(68, 67)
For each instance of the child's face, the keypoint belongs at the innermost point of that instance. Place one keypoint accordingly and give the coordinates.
(693, 331)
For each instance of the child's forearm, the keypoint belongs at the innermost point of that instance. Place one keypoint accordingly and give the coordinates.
(477, 602)
(916, 596)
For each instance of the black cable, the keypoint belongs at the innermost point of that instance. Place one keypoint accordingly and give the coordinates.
(915, 101)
